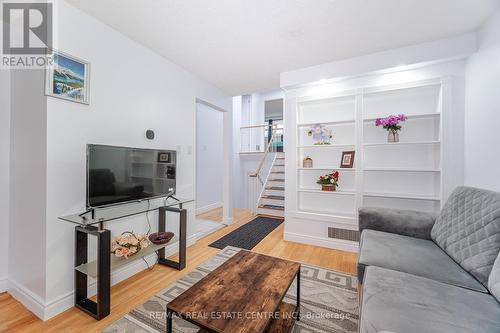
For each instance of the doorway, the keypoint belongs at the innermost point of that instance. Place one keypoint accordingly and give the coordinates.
(210, 166)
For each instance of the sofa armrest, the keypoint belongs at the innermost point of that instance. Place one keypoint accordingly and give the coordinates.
(403, 222)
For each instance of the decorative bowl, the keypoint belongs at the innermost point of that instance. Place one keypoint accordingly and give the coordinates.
(160, 238)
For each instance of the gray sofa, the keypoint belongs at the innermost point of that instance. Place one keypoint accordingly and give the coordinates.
(432, 273)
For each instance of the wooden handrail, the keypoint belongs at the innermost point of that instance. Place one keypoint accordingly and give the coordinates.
(262, 160)
(254, 126)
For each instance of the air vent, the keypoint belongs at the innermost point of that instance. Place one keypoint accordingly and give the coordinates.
(344, 234)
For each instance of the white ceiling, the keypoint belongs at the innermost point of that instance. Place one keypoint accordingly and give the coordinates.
(241, 46)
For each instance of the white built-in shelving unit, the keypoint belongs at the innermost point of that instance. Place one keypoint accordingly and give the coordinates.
(403, 175)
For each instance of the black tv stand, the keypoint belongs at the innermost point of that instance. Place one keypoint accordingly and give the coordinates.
(101, 268)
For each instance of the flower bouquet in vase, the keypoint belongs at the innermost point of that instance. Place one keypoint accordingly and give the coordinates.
(391, 124)
(128, 244)
(329, 182)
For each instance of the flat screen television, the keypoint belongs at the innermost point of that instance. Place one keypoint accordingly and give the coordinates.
(123, 174)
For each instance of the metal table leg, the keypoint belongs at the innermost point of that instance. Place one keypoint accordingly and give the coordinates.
(169, 321)
(181, 264)
(298, 295)
(101, 308)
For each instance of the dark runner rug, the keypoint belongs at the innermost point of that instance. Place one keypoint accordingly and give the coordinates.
(248, 235)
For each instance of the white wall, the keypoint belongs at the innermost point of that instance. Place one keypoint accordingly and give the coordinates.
(444, 50)
(132, 89)
(238, 176)
(28, 176)
(482, 112)
(4, 174)
(209, 158)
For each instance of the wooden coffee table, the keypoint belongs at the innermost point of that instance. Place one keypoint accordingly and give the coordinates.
(244, 295)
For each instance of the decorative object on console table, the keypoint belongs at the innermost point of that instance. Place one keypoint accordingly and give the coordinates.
(391, 124)
(329, 182)
(160, 238)
(68, 78)
(320, 134)
(347, 159)
(128, 244)
(307, 162)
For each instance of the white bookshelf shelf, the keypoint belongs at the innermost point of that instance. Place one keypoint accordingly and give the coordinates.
(377, 144)
(335, 145)
(328, 168)
(329, 123)
(338, 192)
(321, 216)
(410, 117)
(401, 170)
(401, 196)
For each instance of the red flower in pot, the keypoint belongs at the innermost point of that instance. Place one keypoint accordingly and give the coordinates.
(329, 182)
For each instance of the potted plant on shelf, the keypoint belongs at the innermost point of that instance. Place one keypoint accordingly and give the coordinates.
(128, 244)
(329, 182)
(391, 124)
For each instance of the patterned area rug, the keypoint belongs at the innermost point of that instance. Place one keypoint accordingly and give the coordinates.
(248, 235)
(329, 302)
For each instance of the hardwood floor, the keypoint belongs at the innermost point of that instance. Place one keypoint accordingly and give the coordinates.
(134, 291)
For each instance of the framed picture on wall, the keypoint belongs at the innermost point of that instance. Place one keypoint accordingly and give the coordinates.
(68, 78)
(347, 159)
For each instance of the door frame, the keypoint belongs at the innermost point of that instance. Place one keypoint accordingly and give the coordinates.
(227, 138)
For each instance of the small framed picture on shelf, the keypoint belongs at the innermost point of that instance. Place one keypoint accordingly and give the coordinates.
(163, 157)
(347, 159)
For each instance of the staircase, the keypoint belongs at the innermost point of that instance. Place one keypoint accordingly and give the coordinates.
(272, 200)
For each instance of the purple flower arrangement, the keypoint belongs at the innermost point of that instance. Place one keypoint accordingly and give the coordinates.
(392, 122)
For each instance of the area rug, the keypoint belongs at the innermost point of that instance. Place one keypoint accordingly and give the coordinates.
(329, 302)
(249, 234)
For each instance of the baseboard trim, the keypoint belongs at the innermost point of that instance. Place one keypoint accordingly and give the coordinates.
(31, 301)
(228, 220)
(208, 208)
(336, 244)
(47, 310)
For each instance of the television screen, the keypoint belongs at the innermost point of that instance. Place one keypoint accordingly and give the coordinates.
(121, 174)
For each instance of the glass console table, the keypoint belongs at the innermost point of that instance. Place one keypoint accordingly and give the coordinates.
(93, 223)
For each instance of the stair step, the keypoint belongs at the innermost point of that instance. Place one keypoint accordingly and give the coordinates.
(275, 188)
(272, 207)
(271, 216)
(276, 180)
(278, 172)
(280, 158)
(274, 197)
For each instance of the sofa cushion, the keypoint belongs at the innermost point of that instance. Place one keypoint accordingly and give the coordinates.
(494, 279)
(414, 256)
(468, 229)
(403, 303)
